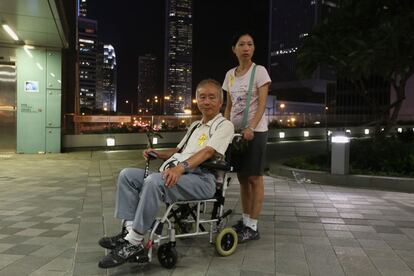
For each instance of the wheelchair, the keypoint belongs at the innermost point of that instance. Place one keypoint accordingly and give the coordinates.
(195, 218)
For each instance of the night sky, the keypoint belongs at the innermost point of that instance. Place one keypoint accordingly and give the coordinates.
(136, 28)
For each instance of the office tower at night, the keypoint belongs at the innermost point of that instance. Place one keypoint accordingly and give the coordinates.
(178, 56)
(82, 8)
(149, 100)
(106, 82)
(290, 23)
(88, 49)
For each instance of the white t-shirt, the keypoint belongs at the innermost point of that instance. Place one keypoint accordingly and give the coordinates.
(237, 86)
(220, 139)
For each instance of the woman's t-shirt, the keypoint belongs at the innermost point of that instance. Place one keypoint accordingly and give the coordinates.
(237, 86)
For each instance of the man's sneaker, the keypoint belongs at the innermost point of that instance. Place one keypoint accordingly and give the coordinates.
(127, 252)
(247, 234)
(238, 227)
(114, 241)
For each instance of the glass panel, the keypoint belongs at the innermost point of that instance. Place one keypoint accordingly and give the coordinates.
(7, 107)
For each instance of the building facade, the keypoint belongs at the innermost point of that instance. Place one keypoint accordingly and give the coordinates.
(106, 79)
(88, 51)
(178, 56)
(149, 101)
(33, 80)
(290, 23)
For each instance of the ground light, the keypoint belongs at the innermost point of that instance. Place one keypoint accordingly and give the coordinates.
(340, 153)
(281, 135)
(110, 141)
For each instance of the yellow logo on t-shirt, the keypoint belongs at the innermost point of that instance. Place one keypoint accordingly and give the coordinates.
(231, 80)
(202, 139)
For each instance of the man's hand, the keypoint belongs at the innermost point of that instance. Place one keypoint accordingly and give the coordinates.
(150, 153)
(172, 175)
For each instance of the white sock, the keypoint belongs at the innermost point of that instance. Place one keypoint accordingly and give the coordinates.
(245, 217)
(252, 223)
(134, 238)
(128, 225)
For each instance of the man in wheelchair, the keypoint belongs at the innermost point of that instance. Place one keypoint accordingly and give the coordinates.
(180, 177)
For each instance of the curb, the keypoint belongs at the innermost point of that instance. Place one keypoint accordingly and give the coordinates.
(399, 184)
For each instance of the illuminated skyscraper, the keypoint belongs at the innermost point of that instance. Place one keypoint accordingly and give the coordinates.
(148, 96)
(106, 88)
(178, 56)
(88, 49)
(83, 8)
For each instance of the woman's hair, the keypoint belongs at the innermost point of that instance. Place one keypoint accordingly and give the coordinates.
(239, 34)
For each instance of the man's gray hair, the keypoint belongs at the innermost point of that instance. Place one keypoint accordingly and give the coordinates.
(212, 82)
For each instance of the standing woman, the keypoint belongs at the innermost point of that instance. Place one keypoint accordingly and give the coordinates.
(253, 128)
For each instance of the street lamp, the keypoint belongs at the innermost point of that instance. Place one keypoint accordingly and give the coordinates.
(132, 106)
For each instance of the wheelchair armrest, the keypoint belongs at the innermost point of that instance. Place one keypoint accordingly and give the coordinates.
(216, 165)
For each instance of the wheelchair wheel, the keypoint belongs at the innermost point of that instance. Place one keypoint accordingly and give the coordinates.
(167, 255)
(226, 242)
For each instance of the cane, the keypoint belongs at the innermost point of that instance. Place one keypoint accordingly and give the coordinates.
(151, 155)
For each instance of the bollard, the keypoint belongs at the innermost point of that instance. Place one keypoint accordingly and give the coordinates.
(340, 153)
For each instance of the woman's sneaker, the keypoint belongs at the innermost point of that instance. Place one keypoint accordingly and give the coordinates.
(114, 241)
(238, 227)
(127, 252)
(247, 234)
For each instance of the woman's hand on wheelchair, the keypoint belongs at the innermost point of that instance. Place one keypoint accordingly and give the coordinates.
(172, 175)
(248, 134)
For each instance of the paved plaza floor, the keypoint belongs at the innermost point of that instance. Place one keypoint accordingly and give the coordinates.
(54, 208)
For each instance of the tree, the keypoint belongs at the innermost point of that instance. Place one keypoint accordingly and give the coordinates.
(365, 38)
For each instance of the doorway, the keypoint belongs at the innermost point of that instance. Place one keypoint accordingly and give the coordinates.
(8, 91)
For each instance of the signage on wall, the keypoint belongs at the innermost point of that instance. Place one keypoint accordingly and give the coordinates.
(31, 86)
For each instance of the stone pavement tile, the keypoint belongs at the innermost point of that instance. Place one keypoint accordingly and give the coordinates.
(41, 272)
(344, 242)
(31, 232)
(366, 235)
(309, 219)
(287, 231)
(316, 241)
(409, 232)
(23, 224)
(24, 266)
(374, 244)
(40, 240)
(89, 257)
(259, 261)
(335, 227)
(10, 230)
(58, 266)
(291, 260)
(5, 246)
(394, 237)
(322, 260)
(188, 265)
(14, 239)
(22, 249)
(387, 229)
(287, 238)
(5, 260)
(84, 269)
(390, 265)
(399, 244)
(44, 225)
(313, 233)
(54, 233)
(51, 251)
(338, 234)
(311, 226)
(354, 261)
